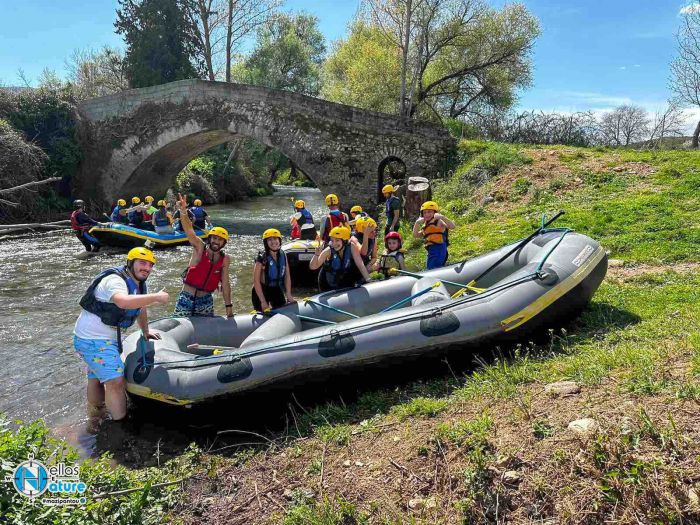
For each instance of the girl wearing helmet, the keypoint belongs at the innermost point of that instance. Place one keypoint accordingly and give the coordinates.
(432, 227)
(162, 219)
(334, 218)
(340, 262)
(366, 236)
(135, 213)
(272, 284)
(119, 213)
(393, 254)
(301, 217)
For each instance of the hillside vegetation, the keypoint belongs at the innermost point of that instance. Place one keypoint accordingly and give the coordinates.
(486, 441)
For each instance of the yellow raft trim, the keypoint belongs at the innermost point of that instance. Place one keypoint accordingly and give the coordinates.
(144, 391)
(145, 237)
(552, 295)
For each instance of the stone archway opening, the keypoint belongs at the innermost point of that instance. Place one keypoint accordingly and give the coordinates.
(392, 170)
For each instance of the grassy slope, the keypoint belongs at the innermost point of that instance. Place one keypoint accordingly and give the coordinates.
(491, 445)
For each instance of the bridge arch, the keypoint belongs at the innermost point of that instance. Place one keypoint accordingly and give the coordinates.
(140, 139)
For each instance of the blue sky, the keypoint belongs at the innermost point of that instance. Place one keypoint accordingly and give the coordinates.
(592, 54)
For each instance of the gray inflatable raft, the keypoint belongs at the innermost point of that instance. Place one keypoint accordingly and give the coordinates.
(544, 282)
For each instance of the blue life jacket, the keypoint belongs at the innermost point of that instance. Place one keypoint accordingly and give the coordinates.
(117, 217)
(161, 218)
(389, 211)
(306, 217)
(337, 269)
(199, 215)
(135, 218)
(274, 270)
(109, 313)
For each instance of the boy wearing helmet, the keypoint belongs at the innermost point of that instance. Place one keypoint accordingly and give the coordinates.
(135, 213)
(301, 217)
(432, 227)
(392, 208)
(341, 262)
(81, 223)
(119, 213)
(162, 219)
(393, 254)
(366, 236)
(115, 299)
(200, 217)
(334, 218)
(207, 271)
(272, 284)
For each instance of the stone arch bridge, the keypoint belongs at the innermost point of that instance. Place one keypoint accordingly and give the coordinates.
(136, 142)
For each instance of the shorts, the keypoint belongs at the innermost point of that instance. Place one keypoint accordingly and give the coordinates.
(190, 306)
(101, 356)
(437, 256)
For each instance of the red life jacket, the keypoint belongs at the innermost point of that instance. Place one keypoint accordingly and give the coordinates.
(334, 220)
(74, 222)
(205, 276)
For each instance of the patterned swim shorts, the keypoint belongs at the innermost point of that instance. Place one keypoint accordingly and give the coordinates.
(189, 306)
(101, 356)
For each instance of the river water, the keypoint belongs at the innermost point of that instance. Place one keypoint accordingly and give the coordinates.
(41, 282)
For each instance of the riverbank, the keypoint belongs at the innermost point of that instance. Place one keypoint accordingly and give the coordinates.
(492, 440)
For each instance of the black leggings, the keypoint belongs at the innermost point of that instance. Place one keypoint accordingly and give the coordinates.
(273, 295)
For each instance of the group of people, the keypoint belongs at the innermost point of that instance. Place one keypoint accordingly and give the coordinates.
(158, 218)
(118, 297)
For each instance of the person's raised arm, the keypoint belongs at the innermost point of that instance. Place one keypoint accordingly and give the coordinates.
(320, 256)
(447, 222)
(416, 227)
(186, 223)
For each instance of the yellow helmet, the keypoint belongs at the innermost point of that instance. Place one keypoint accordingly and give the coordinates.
(340, 232)
(221, 232)
(121, 202)
(363, 222)
(141, 253)
(356, 209)
(388, 189)
(271, 232)
(430, 205)
(161, 202)
(148, 199)
(332, 199)
(135, 200)
(300, 204)
(197, 202)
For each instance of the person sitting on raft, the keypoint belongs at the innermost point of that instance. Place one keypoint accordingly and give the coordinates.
(393, 255)
(162, 219)
(392, 209)
(334, 218)
(201, 218)
(355, 212)
(148, 212)
(135, 213)
(301, 217)
(114, 300)
(366, 236)
(341, 263)
(272, 284)
(81, 223)
(208, 269)
(432, 227)
(119, 213)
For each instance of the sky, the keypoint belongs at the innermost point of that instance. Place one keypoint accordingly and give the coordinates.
(591, 55)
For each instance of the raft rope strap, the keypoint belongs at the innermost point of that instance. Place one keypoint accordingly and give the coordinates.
(438, 310)
(329, 307)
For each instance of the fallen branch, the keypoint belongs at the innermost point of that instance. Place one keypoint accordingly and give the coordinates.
(129, 491)
(29, 184)
(55, 224)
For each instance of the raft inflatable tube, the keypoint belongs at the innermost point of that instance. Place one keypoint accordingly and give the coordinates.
(128, 236)
(545, 282)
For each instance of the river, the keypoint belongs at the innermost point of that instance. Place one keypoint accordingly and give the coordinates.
(41, 282)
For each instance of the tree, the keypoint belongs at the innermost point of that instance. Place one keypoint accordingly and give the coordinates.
(160, 41)
(455, 54)
(96, 73)
(288, 55)
(685, 68)
(624, 125)
(667, 122)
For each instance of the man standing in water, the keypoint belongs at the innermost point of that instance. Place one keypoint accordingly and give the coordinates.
(116, 298)
(208, 269)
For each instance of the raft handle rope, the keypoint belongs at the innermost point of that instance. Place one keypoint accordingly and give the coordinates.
(329, 307)
(438, 310)
(396, 271)
(410, 298)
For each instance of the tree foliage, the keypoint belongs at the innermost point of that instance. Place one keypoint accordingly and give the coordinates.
(623, 125)
(20, 161)
(96, 73)
(160, 41)
(288, 55)
(685, 68)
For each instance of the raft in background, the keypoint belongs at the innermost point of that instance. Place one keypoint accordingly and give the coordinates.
(299, 254)
(546, 280)
(128, 236)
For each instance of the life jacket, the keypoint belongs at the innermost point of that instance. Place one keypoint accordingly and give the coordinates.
(109, 313)
(306, 217)
(434, 233)
(205, 276)
(118, 217)
(199, 217)
(334, 219)
(273, 271)
(296, 232)
(389, 260)
(389, 211)
(147, 216)
(339, 270)
(135, 217)
(162, 218)
(74, 222)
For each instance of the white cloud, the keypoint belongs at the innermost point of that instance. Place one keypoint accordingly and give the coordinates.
(623, 68)
(591, 98)
(690, 8)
